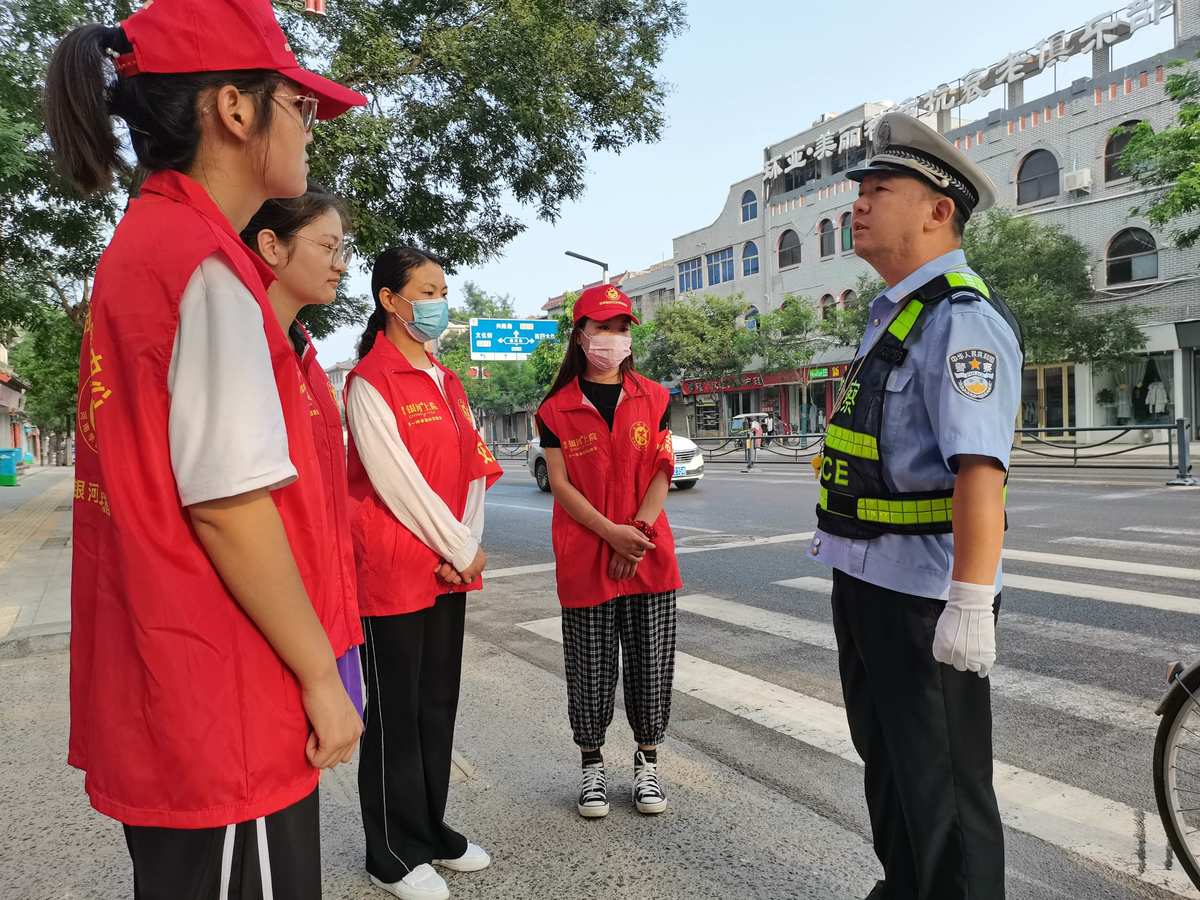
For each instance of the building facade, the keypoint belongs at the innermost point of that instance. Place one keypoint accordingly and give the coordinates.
(786, 229)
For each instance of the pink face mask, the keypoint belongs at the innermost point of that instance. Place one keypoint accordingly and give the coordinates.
(607, 351)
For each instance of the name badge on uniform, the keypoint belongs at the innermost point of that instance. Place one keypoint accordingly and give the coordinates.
(973, 373)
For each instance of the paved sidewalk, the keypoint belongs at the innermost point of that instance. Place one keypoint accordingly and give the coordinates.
(35, 553)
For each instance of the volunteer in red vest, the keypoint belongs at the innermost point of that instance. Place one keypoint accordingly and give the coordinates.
(304, 241)
(606, 433)
(208, 609)
(418, 473)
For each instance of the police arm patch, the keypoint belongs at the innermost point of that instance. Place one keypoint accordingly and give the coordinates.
(973, 372)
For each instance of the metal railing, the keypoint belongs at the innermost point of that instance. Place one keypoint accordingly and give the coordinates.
(1077, 448)
(510, 450)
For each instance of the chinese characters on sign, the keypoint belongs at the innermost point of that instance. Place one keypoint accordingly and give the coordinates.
(1100, 33)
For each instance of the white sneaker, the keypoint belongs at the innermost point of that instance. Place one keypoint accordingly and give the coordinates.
(474, 859)
(422, 883)
(648, 794)
(593, 792)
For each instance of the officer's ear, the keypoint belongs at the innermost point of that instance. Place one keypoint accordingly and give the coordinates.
(942, 212)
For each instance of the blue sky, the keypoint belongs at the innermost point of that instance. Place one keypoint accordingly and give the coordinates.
(747, 74)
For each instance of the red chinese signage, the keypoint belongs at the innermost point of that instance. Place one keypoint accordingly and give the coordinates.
(747, 381)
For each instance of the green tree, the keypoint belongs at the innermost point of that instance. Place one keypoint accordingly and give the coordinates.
(846, 325)
(479, 304)
(547, 357)
(1169, 160)
(48, 359)
(700, 338)
(788, 337)
(1043, 275)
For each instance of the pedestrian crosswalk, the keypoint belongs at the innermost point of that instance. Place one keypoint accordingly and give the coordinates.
(1068, 811)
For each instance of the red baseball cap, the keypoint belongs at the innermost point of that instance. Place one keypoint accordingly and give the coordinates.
(601, 302)
(181, 36)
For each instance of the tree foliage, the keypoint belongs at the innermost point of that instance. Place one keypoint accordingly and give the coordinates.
(1169, 161)
(1042, 273)
(845, 326)
(701, 337)
(47, 357)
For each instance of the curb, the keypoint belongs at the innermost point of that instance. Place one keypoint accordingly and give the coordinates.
(34, 640)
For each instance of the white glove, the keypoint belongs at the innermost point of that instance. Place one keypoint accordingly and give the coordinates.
(966, 631)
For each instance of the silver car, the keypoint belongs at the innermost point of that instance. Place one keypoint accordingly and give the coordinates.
(689, 464)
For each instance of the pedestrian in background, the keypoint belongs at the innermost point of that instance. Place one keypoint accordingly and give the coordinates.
(768, 430)
(753, 440)
(304, 241)
(418, 473)
(207, 609)
(911, 519)
(606, 433)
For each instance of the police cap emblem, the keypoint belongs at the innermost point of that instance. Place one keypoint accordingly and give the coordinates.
(973, 373)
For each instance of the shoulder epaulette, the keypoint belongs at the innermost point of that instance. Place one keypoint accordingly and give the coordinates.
(966, 297)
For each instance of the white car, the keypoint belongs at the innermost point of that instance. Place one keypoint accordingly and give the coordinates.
(689, 464)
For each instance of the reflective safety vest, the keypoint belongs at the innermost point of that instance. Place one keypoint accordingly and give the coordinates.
(854, 499)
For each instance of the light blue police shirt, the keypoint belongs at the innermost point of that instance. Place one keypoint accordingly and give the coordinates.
(929, 417)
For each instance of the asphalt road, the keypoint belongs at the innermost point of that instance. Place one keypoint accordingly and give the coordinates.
(1083, 647)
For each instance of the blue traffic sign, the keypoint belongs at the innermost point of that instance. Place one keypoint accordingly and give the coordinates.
(509, 339)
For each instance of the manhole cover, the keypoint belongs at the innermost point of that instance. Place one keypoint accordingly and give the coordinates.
(60, 541)
(66, 508)
(707, 540)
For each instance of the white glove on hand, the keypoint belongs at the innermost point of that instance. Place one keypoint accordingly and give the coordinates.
(966, 631)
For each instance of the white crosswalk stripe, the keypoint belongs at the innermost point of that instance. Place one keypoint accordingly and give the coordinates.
(1082, 701)
(1092, 827)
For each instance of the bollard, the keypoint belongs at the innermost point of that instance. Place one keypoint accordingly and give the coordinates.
(1183, 477)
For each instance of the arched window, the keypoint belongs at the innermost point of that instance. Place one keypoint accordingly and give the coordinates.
(1117, 141)
(848, 299)
(847, 231)
(789, 249)
(826, 306)
(749, 206)
(750, 258)
(825, 229)
(1132, 256)
(1038, 177)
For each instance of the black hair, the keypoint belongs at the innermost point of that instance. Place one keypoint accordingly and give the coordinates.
(575, 362)
(393, 267)
(287, 216)
(82, 95)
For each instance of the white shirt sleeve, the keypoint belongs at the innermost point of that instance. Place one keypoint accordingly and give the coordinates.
(225, 427)
(398, 481)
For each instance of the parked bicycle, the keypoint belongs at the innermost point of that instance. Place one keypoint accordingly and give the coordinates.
(1177, 765)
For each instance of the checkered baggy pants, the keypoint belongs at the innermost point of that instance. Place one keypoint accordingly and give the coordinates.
(643, 626)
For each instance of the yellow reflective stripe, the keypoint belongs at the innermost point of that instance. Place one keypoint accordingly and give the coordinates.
(903, 323)
(852, 443)
(823, 499)
(964, 279)
(905, 512)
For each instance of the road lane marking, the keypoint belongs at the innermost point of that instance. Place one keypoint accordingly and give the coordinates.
(1101, 705)
(1151, 529)
(1104, 565)
(542, 509)
(1119, 545)
(1090, 826)
(679, 551)
(1123, 596)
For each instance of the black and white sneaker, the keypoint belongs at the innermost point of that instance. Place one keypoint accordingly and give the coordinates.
(648, 794)
(593, 792)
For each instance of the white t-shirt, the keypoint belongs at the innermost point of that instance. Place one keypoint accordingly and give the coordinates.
(226, 428)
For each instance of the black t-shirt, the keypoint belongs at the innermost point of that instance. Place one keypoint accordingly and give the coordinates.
(604, 397)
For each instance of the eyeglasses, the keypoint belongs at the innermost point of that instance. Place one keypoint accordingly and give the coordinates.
(305, 106)
(339, 254)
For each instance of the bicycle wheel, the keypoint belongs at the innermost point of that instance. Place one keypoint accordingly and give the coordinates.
(1177, 774)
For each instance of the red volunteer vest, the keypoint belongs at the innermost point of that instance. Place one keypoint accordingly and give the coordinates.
(396, 570)
(613, 470)
(181, 713)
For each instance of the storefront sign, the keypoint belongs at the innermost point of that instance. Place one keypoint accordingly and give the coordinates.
(1098, 34)
(747, 381)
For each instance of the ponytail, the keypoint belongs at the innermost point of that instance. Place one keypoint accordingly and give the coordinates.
(392, 269)
(375, 324)
(84, 92)
(78, 117)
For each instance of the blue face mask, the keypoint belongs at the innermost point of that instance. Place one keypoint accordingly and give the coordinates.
(430, 318)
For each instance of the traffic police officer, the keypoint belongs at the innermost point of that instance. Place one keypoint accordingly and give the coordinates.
(911, 519)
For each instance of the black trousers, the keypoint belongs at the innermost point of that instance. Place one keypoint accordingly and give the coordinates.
(924, 731)
(272, 858)
(412, 665)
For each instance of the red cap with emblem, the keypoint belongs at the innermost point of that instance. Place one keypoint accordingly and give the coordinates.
(182, 36)
(603, 301)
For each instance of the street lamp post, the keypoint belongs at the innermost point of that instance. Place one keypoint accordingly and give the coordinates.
(596, 262)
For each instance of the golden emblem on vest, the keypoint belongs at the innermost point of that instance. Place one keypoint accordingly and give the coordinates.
(640, 435)
(465, 410)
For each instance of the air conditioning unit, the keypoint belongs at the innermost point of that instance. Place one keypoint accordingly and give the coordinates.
(1080, 180)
